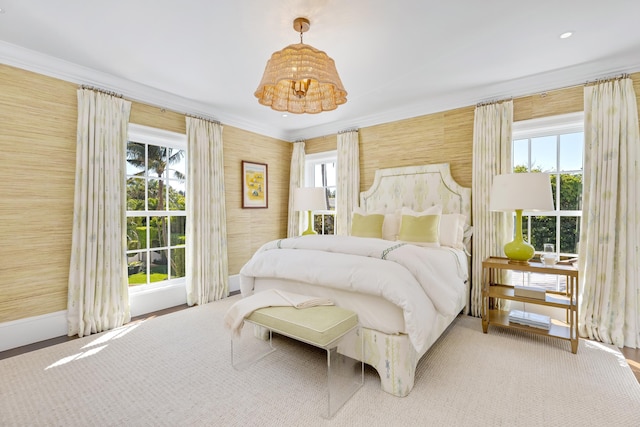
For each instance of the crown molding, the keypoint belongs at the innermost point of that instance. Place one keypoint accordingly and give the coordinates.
(535, 84)
(47, 65)
(571, 76)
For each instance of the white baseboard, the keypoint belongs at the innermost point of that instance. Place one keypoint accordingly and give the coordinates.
(18, 333)
(155, 299)
(234, 283)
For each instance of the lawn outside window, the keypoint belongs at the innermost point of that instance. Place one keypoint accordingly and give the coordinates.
(156, 207)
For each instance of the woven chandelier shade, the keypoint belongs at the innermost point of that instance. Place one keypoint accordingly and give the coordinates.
(301, 79)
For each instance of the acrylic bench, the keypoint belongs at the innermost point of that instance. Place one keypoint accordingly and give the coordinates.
(321, 326)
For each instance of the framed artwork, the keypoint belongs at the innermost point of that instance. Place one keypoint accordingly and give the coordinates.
(254, 185)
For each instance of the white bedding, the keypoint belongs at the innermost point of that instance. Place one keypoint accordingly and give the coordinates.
(422, 282)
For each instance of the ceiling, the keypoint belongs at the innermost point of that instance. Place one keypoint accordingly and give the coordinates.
(397, 59)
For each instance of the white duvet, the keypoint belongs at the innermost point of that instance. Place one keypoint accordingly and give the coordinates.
(421, 281)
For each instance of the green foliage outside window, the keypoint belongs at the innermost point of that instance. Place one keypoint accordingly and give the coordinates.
(543, 228)
(323, 223)
(149, 192)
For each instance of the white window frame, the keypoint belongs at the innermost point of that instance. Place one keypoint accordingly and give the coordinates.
(536, 128)
(551, 126)
(310, 161)
(161, 137)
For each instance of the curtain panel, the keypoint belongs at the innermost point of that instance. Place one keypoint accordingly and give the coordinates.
(296, 180)
(491, 156)
(207, 271)
(609, 304)
(347, 180)
(98, 292)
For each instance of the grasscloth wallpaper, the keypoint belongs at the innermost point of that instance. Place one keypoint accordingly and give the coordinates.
(37, 162)
(445, 137)
(37, 172)
(37, 167)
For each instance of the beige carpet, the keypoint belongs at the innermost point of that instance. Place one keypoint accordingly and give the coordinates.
(174, 370)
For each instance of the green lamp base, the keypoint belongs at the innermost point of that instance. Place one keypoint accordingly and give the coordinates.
(309, 230)
(518, 251)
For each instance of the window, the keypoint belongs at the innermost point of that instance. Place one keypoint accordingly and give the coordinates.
(553, 145)
(321, 172)
(156, 216)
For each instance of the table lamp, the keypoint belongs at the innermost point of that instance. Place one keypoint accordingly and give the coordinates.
(309, 199)
(520, 192)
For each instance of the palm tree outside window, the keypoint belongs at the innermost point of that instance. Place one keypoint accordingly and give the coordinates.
(156, 216)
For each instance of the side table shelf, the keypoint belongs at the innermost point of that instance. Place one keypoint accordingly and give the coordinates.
(568, 300)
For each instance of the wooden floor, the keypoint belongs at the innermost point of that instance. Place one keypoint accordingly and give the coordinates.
(632, 355)
(633, 359)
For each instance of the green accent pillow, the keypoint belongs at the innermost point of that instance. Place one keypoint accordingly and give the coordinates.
(420, 230)
(367, 225)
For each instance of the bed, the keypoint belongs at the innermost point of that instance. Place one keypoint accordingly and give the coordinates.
(406, 292)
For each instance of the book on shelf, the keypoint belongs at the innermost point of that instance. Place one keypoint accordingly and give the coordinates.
(530, 319)
(529, 292)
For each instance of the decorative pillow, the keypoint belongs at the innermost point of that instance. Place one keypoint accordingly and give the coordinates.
(468, 233)
(452, 230)
(391, 225)
(421, 228)
(367, 225)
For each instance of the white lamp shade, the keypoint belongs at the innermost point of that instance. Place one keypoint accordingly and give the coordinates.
(526, 191)
(309, 199)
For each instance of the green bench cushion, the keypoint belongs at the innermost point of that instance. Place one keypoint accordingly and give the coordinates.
(318, 325)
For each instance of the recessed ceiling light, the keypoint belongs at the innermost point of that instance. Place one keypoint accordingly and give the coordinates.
(285, 115)
(566, 35)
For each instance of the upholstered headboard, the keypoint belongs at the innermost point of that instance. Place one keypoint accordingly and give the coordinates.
(416, 187)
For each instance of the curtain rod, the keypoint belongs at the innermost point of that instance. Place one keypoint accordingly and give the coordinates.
(348, 130)
(206, 119)
(607, 79)
(545, 92)
(496, 101)
(97, 89)
(162, 109)
(586, 83)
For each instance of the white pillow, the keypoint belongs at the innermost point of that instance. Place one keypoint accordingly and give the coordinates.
(468, 233)
(391, 225)
(452, 230)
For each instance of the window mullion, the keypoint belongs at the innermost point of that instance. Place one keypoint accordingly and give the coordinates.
(529, 167)
(537, 131)
(159, 222)
(558, 190)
